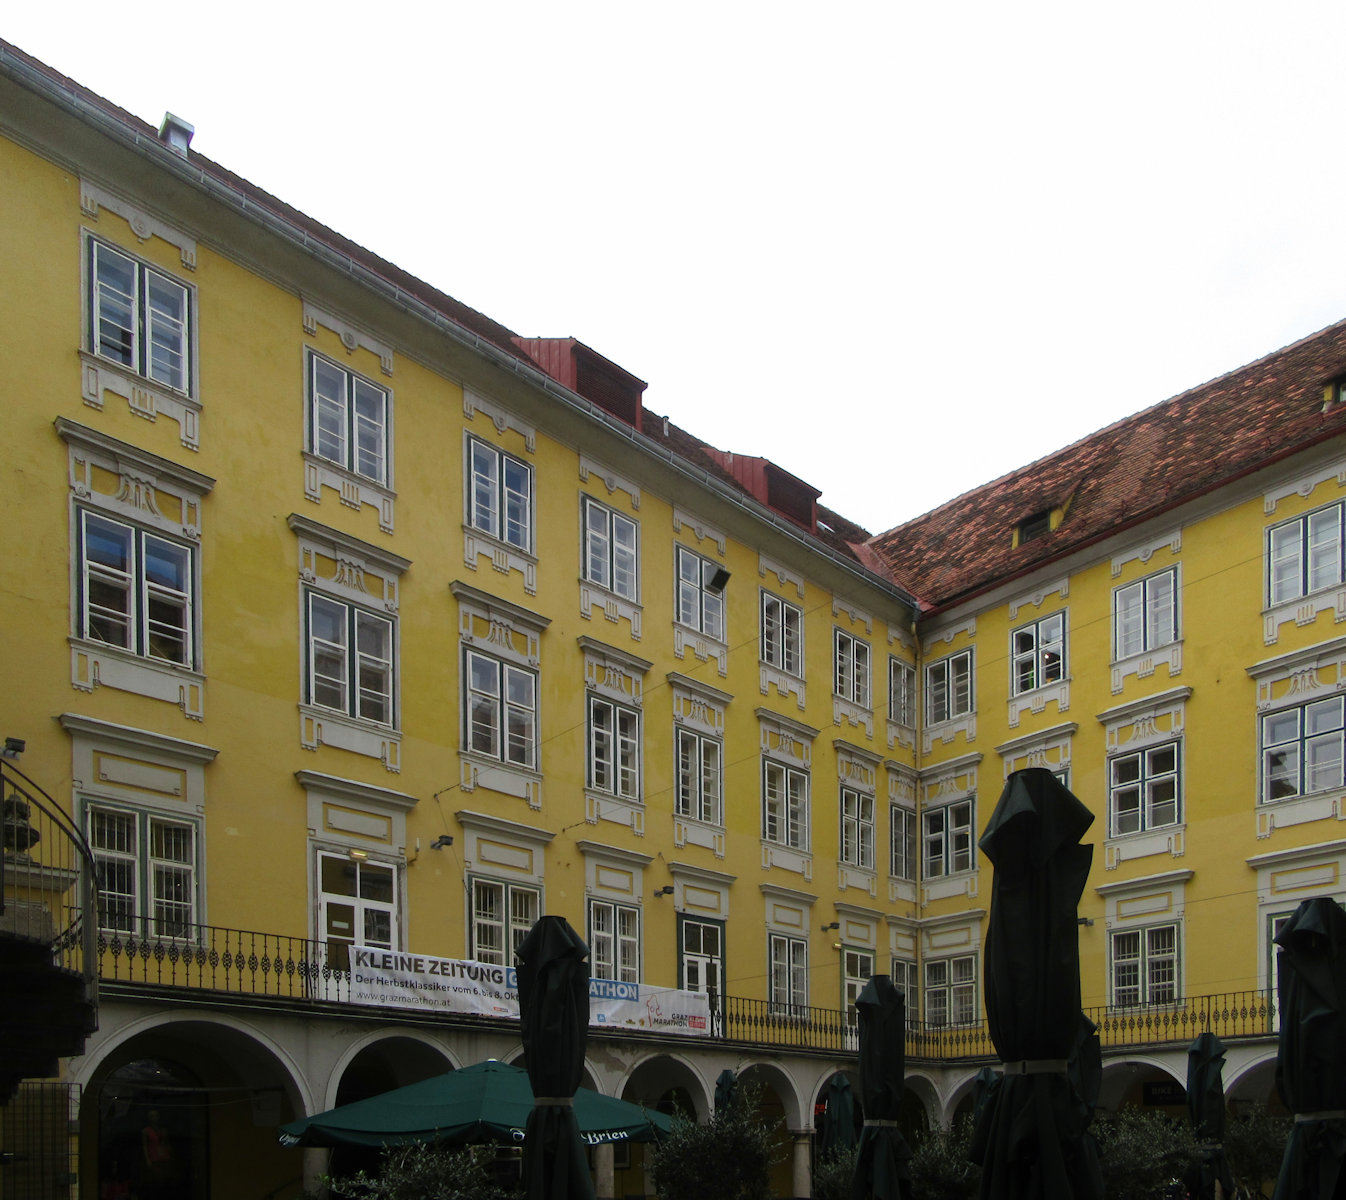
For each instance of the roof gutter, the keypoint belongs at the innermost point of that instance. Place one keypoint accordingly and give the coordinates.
(166, 160)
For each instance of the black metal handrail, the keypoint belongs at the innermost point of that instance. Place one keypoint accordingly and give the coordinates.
(45, 857)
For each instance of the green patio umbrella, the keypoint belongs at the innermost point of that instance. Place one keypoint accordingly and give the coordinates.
(1311, 1056)
(726, 1090)
(1206, 1109)
(1030, 1138)
(881, 1161)
(553, 972)
(838, 1116)
(487, 1102)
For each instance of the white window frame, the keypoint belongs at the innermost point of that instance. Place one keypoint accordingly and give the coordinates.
(357, 659)
(362, 906)
(145, 323)
(155, 912)
(144, 594)
(857, 968)
(342, 448)
(505, 708)
(698, 969)
(614, 940)
(902, 842)
(782, 635)
(950, 687)
(901, 692)
(949, 990)
(1153, 617)
(614, 741)
(1318, 746)
(609, 549)
(906, 977)
(1149, 774)
(698, 777)
(1038, 654)
(851, 674)
(948, 839)
(857, 828)
(1305, 554)
(696, 606)
(787, 974)
(509, 923)
(785, 805)
(1153, 986)
(500, 491)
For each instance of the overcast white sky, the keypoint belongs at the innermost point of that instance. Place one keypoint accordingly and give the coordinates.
(898, 248)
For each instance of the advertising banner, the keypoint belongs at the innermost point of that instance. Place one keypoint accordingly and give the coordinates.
(391, 978)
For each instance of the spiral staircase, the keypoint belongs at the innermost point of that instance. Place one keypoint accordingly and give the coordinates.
(48, 965)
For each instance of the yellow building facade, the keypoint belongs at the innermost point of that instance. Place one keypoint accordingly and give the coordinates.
(340, 616)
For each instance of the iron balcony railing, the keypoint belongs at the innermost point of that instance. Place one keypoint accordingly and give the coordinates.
(47, 877)
(305, 970)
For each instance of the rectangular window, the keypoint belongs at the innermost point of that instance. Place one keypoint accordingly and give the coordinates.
(901, 692)
(908, 981)
(782, 635)
(614, 941)
(610, 557)
(502, 915)
(136, 590)
(1302, 750)
(857, 828)
(350, 660)
(902, 842)
(148, 872)
(1304, 554)
(500, 495)
(699, 607)
(951, 990)
(140, 317)
(698, 778)
(856, 968)
(948, 687)
(702, 951)
(614, 749)
(852, 669)
(500, 710)
(785, 805)
(1037, 653)
(347, 419)
(357, 906)
(947, 837)
(1145, 614)
(1145, 966)
(1144, 789)
(789, 973)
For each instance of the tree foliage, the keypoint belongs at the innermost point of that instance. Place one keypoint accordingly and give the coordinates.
(1254, 1144)
(832, 1174)
(1142, 1152)
(727, 1158)
(422, 1173)
(940, 1166)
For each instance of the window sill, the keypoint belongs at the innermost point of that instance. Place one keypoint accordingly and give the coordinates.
(943, 887)
(864, 879)
(901, 735)
(703, 648)
(901, 890)
(1142, 666)
(1125, 847)
(95, 664)
(1303, 610)
(482, 771)
(323, 727)
(945, 731)
(787, 858)
(355, 490)
(600, 806)
(504, 557)
(688, 831)
(1300, 810)
(614, 607)
(1035, 701)
(785, 683)
(146, 398)
(856, 715)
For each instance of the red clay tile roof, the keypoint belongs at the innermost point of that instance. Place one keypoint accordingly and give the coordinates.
(1130, 471)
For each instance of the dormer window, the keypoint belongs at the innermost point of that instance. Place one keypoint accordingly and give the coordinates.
(1036, 526)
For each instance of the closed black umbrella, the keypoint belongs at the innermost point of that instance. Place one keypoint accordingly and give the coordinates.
(726, 1091)
(881, 1164)
(1311, 1062)
(553, 969)
(1206, 1110)
(838, 1116)
(1030, 1135)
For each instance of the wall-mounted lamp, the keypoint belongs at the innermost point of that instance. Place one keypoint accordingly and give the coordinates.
(666, 890)
(718, 581)
(13, 747)
(358, 855)
(836, 945)
(832, 925)
(1084, 921)
(444, 839)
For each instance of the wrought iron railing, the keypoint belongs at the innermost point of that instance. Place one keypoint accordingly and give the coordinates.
(47, 876)
(298, 969)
